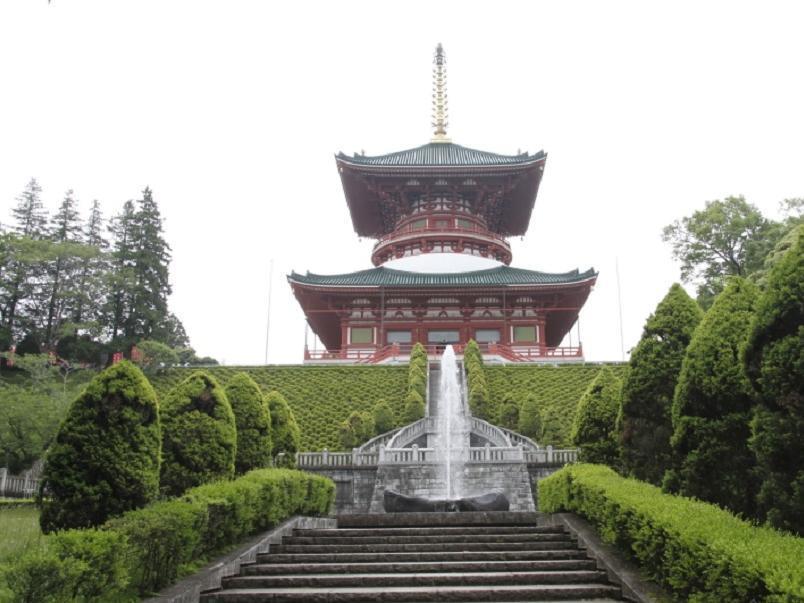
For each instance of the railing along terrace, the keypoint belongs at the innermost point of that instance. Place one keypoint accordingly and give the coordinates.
(513, 353)
(430, 456)
(410, 432)
(491, 432)
(17, 485)
(517, 439)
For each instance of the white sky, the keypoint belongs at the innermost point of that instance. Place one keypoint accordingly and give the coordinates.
(232, 110)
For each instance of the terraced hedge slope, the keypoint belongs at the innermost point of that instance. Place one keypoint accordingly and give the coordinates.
(321, 396)
(558, 388)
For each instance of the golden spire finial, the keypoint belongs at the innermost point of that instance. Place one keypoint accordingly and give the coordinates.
(440, 96)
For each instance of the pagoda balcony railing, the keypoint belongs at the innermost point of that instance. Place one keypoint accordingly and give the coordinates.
(407, 232)
(511, 352)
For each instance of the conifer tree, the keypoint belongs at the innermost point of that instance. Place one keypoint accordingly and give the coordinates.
(91, 273)
(121, 278)
(286, 436)
(199, 436)
(26, 251)
(414, 407)
(509, 412)
(648, 389)
(593, 426)
(712, 407)
(774, 363)
(384, 419)
(530, 418)
(105, 459)
(253, 420)
(59, 287)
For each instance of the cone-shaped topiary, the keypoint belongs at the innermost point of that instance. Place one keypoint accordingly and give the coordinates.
(383, 415)
(648, 389)
(774, 363)
(199, 436)
(712, 408)
(105, 459)
(286, 434)
(509, 412)
(253, 420)
(530, 418)
(414, 407)
(593, 427)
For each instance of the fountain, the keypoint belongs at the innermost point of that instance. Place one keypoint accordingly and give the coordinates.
(451, 444)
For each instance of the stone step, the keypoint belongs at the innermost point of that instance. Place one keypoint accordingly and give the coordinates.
(421, 520)
(268, 569)
(414, 579)
(429, 531)
(429, 556)
(450, 538)
(411, 594)
(421, 547)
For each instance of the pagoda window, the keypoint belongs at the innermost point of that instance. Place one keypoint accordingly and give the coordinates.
(419, 224)
(442, 223)
(399, 336)
(361, 335)
(487, 335)
(524, 334)
(464, 223)
(443, 337)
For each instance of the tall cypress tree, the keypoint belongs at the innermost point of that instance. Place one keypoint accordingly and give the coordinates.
(648, 389)
(121, 275)
(91, 272)
(151, 271)
(25, 255)
(774, 363)
(59, 285)
(712, 407)
(593, 425)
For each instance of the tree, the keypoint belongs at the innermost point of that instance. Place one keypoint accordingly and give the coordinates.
(726, 238)
(356, 429)
(509, 412)
(648, 389)
(593, 426)
(24, 255)
(121, 277)
(253, 421)
(530, 418)
(60, 270)
(774, 364)
(552, 430)
(105, 459)
(92, 273)
(155, 356)
(199, 436)
(712, 407)
(383, 415)
(414, 407)
(286, 434)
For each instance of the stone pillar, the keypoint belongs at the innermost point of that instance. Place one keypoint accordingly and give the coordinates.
(3, 480)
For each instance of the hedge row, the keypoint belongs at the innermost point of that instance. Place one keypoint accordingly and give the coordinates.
(696, 550)
(147, 549)
(321, 397)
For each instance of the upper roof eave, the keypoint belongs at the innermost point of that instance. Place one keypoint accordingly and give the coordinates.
(435, 156)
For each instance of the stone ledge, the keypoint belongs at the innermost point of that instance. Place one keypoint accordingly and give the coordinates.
(619, 569)
(209, 577)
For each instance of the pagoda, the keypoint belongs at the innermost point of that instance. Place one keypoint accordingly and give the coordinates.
(442, 214)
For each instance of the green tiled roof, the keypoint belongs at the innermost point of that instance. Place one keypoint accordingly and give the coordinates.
(388, 277)
(445, 154)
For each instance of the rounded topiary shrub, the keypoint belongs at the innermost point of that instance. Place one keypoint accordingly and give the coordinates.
(414, 407)
(199, 436)
(531, 421)
(286, 435)
(105, 459)
(383, 415)
(593, 428)
(253, 420)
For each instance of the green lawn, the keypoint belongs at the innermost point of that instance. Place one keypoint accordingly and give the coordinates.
(19, 531)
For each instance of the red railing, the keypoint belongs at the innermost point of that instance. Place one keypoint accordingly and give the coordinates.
(512, 353)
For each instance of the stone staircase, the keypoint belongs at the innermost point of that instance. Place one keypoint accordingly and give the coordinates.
(410, 557)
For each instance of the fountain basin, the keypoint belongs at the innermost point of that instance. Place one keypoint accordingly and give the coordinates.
(394, 502)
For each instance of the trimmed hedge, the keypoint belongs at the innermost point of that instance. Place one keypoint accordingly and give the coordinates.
(149, 548)
(199, 436)
(105, 459)
(320, 396)
(695, 549)
(253, 421)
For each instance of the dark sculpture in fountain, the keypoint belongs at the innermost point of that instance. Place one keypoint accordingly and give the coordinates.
(394, 502)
